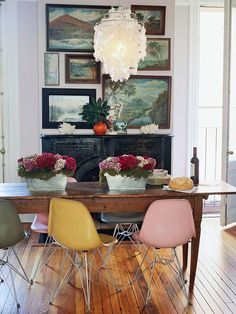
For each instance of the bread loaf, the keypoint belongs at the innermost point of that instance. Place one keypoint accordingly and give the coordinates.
(181, 183)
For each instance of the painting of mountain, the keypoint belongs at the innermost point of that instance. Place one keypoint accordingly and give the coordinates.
(142, 99)
(71, 27)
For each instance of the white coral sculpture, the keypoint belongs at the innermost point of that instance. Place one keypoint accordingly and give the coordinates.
(149, 129)
(66, 128)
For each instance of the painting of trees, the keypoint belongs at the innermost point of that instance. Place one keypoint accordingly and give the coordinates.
(158, 55)
(142, 99)
(153, 18)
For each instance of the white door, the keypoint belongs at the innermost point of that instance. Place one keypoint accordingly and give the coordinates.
(228, 214)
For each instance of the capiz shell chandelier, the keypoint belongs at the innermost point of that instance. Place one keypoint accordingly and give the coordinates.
(119, 43)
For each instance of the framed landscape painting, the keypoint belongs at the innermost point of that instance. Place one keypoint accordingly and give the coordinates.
(142, 99)
(153, 18)
(65, 105)
(158, 55)
(51, 69)
(82, 69)
(71, 27)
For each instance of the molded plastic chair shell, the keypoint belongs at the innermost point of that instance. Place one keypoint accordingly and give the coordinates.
(40, 222)
(11, 230)
(72, 226)
(167, 224)
(122, 217)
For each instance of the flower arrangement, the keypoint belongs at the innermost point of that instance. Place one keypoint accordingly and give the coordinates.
(127, 165)
(46, 166)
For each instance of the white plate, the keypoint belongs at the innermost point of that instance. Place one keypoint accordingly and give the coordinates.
(167, 188)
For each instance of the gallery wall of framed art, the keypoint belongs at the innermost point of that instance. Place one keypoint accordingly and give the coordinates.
(67, 63)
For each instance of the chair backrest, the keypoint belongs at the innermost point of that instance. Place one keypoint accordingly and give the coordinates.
(72, 226)
(168, 223)
(11, 229)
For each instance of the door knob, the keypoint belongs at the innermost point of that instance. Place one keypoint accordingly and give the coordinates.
(230, 152)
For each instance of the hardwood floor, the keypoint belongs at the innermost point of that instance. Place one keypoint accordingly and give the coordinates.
(214, 292)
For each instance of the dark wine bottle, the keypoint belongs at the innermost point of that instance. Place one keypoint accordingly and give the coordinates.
(194, 173)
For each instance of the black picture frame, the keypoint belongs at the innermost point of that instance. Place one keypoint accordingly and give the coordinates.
(73, 98)
(70, 28)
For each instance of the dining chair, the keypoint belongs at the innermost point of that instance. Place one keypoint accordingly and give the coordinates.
(11, 233)
(40, 225)
(125, 224)
(72, 227)
(167, 224)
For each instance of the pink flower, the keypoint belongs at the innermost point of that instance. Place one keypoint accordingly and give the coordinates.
(46, 165)
(127, 165)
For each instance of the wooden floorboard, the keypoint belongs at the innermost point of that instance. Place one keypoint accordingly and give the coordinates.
(214, 291)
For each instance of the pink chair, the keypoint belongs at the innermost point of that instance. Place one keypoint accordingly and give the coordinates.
(40, 225)
(167, 224)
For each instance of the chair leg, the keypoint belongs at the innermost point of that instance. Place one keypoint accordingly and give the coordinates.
(181, 276)
(11, 268)
(24, 276)
(138, 272)
(44, 257)
(121, 233)
(60, 283)
(179, 271)
(149, 293)
(110, 274)
(88, 279)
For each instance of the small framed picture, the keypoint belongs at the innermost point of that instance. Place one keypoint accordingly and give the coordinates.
(158, 55)
(82, 69)
(51, 69)
(153, 18)
(65, 105)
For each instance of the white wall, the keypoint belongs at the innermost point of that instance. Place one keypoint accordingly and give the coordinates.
(31, 35)
(169, 33)
(28, 77)
(180, 131)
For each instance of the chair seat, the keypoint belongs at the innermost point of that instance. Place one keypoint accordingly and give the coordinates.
(39, 225)
(122, 217)
(107, 239)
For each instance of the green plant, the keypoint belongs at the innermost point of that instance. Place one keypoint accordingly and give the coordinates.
(95, 111)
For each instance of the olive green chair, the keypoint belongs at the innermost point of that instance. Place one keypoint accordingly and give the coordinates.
(11, 233)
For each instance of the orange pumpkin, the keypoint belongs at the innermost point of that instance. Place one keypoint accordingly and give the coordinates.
(100, 128)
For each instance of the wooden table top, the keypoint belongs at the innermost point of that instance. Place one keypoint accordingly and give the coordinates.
(94, 189)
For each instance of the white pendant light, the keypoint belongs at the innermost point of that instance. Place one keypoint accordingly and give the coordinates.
(119, 43)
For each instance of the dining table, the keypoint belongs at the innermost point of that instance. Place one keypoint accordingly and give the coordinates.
(98, 198)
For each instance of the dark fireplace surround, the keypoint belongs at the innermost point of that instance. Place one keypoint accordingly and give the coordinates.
(89, 150)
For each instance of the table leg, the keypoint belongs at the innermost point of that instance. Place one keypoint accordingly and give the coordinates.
(197, 214)
(185, 256)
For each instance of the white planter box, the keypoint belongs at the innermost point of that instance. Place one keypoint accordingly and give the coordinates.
(57, 183)
(119, 182)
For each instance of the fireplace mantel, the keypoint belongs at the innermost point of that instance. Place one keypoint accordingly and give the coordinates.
(89, 150)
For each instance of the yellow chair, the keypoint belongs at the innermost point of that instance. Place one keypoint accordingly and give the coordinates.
(72, 227)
